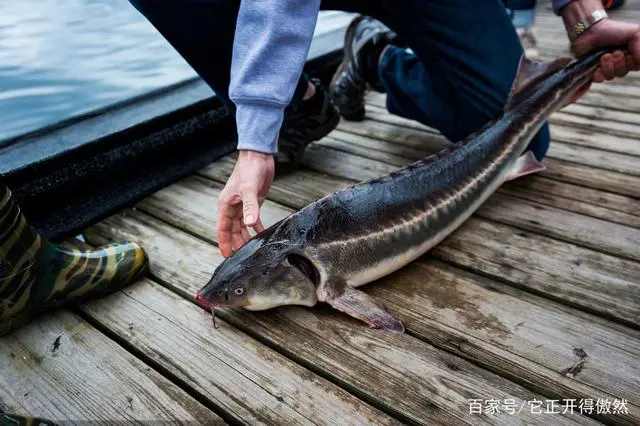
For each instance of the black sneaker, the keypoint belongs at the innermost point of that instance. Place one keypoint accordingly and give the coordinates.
(365, 39)
(312, 120)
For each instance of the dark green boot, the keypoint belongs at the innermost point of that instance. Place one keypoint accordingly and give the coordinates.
(13, 420)
(38, 276)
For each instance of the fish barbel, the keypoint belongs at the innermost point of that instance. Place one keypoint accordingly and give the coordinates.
(356, 235)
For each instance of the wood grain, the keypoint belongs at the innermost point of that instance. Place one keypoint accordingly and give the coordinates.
(387, 127)
(248, 381)
(421, 383)
(605, 180)
(61, 368)
(414, 144)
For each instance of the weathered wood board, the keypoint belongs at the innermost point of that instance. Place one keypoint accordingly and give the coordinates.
(342, 347)
(246, 380)
(62, 369)
(198, 192)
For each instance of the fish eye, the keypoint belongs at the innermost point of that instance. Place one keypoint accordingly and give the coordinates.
(238, 291)
(220, 292)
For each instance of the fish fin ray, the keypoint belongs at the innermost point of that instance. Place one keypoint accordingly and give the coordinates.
(360, 305)
(529, 75)
(526, 164)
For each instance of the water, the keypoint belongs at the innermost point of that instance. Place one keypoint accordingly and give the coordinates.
(60, 58)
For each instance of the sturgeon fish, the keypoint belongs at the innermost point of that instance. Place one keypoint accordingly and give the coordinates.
(326, 250)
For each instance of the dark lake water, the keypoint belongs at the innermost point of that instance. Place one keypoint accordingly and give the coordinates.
(59, 58)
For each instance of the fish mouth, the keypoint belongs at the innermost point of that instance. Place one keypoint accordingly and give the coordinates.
(212, 306)
(209, 304)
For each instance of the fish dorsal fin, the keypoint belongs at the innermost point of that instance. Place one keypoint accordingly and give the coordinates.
(530, 74)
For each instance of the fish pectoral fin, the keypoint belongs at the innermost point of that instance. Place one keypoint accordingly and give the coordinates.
(360, 305)
(525, 165)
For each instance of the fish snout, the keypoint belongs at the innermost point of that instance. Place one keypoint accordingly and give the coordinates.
(201, 300)
(222, 297)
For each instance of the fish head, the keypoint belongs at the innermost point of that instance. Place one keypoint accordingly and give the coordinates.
(262, 274)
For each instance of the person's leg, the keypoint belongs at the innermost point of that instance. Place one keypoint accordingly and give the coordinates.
(464, 64)
(202, 32)
(37, 276)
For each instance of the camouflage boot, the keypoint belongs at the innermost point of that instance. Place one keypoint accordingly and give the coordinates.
(38, 276)
(14, 420)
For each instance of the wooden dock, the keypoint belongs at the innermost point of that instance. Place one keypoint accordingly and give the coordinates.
(527, 314)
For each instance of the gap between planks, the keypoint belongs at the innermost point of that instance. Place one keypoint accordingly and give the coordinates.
(61, 368)
(433, 387)
(327, 334)
(196, 193)
(239, 377)
(541, 189)
(622, 149)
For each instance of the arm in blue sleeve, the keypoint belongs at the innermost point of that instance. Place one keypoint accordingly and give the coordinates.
(559, 4)
(271, 45)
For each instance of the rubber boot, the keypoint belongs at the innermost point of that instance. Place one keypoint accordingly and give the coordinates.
(38, 276)
(14, 420)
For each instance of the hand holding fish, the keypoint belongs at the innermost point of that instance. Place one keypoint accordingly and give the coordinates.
(600, 33)
(612, 33)
(240, 200)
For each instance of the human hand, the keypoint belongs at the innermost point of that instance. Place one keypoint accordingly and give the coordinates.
(606, 33)
(240, 200)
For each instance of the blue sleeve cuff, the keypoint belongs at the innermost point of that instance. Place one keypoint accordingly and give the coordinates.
(258, 125)
(559, 4)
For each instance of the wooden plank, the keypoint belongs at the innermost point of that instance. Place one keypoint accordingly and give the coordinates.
(611, 99)
(528, 190)
(427, 384)
(62, 369)
(605, 185)
(587, 138)
(610, 202)
(313, 185)
(574, 275)
(604, 236)
(571, 128)
(598, 234)
(604, 180)
(414, 134)
(601, 113)
(596, 158)
(250, 382)
(559, 170)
